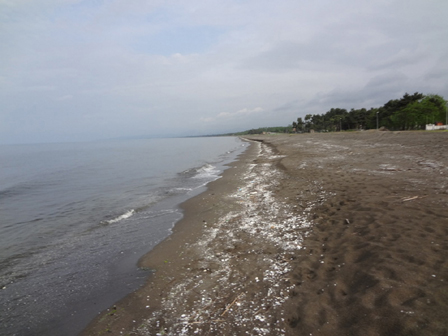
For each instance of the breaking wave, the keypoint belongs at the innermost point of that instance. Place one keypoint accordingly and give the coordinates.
(126, 215)
(207, 171)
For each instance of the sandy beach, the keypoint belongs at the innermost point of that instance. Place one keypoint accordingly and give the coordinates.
(306, 234)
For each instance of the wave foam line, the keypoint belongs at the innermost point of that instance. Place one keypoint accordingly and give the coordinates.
(207, 171)
(126, 215)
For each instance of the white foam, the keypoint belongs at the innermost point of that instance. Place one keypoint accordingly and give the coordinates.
(180, 189)
(126, 215)
(207, 171)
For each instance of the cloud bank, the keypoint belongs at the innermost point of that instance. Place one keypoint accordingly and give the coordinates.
(83, 70)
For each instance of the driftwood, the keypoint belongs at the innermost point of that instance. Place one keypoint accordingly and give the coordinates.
(230, 305)
(412, 198)
(407, 198)
(202, 322)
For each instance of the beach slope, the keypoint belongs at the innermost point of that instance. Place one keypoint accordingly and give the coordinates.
(321, 234)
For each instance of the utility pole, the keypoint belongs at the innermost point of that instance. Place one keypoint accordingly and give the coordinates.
(340, 124)
(446, 115)
(377, 120)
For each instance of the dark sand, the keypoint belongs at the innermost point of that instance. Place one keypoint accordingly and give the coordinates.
(316, 234)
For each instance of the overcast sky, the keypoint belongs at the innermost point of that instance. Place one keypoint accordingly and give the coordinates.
(82, 70)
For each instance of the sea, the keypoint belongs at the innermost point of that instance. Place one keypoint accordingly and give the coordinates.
(75, 218)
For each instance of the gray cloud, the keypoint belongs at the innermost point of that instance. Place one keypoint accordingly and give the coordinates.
(76, 70)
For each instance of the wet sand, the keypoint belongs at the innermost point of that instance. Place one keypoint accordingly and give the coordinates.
(308, 234)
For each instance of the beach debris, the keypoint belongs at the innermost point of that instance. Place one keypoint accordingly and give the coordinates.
(412, 198)
(409, 199)
(347, 221)
(406, 198)
(233, 302)
(277, 230)
(389, 167)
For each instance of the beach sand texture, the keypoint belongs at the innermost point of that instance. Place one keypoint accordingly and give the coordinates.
(307, 234)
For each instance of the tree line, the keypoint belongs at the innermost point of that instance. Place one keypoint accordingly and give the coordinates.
(274, 129)
(411, 112)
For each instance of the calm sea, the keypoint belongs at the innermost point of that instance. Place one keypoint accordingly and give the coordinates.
(75, 219)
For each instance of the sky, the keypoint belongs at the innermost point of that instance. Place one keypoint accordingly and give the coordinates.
(74, 70)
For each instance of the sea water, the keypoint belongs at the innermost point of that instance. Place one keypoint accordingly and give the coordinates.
(75, 219)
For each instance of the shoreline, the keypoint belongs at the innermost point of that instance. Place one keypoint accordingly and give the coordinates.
(313, 233)
(163, 260)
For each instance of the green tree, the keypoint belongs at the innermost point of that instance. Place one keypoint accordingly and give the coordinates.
(308, 122)
(434, 106)
(409, 112)
(395, 114)
(415, 115)
(294, 126)
(300, 124)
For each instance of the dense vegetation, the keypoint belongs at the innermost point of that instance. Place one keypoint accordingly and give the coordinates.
(410, 112)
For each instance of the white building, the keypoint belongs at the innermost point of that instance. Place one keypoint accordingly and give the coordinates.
(432, 127)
